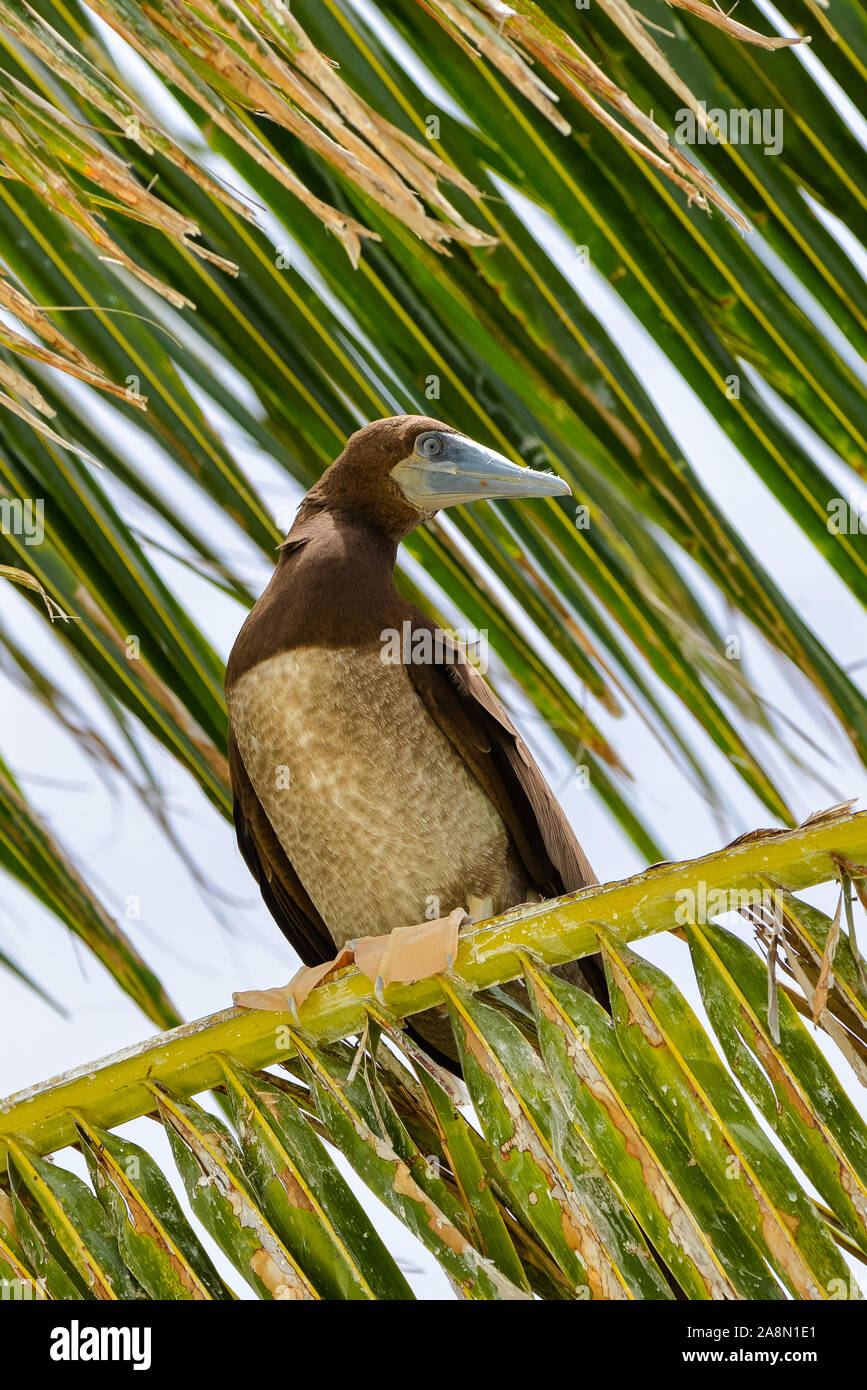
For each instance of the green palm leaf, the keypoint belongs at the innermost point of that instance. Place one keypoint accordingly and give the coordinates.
(604, 1142)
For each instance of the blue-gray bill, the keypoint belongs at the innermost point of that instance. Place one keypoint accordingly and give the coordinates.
(445, 470)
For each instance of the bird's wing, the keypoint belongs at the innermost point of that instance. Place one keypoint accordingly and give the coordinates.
(269, 864)
(470, 715)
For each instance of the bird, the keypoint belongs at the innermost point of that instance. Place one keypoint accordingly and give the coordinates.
(366, 789)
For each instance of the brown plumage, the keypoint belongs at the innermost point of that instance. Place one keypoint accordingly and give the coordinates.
(369, 795)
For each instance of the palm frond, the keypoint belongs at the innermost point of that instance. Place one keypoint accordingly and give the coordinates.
(605, 1141)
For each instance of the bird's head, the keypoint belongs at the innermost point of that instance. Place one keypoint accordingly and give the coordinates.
(398, 472)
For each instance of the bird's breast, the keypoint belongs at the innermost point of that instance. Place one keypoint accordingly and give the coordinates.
(382, 819)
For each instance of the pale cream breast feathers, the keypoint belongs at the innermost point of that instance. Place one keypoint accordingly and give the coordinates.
(384, 823)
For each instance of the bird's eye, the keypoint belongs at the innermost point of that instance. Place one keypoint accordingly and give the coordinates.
(430, 446)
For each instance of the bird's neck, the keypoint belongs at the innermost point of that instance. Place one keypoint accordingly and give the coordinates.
(336, 578)
(333, 587)
(342, 542)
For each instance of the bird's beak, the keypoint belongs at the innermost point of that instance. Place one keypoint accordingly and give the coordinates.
(465, 472)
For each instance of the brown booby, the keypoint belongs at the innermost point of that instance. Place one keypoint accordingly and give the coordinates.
(366, 789)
